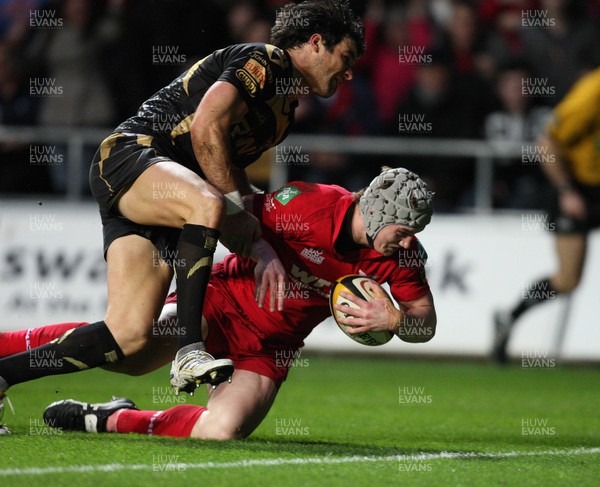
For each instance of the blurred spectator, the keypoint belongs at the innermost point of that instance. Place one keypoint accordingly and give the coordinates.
(70, 81)
(441, 11)
(439, 105)
(503, 20)
(107, 46)
(560, 43)
(17, 174)
(258, 31)
(16, 106)
(434, 96)
(395, 36)
(248, 22)
(351, 111)
(464, 38)
(70, 56)
(158, 41)
(14, 19)
(517, 184)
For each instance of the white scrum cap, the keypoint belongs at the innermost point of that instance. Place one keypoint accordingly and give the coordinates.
(396, 197)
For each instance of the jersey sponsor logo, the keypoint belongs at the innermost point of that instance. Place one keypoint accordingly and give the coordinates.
(314, 255)
(249, 82)
(257, 71)
(259, 57)
(321, 286)
(287, 194)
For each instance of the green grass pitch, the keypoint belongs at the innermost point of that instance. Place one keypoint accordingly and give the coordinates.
(338, 421)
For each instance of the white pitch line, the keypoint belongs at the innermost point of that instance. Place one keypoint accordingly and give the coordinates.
(172, 467)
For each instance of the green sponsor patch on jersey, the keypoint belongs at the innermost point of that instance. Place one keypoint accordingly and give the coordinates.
(287, 194)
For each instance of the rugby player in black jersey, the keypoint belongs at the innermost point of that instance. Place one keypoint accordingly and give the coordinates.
(169, 182)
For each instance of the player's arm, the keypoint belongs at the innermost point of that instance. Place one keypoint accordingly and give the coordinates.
(418, 320)
(571, 202)
(269, 272)
(557, 173)
(221, 106)
(414, 322)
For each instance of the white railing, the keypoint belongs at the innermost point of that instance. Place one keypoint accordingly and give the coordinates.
(481, 151)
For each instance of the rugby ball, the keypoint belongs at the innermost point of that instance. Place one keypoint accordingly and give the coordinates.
(361, 286)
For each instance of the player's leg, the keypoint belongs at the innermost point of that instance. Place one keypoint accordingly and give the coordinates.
(160, 349)
(137, 288)
(136, 291)
(571, 249)
(12, 342)
(194, 205)
(234, 410)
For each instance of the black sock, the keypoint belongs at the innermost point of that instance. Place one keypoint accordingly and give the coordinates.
(78, 349)
(195, 251)
(538, 293)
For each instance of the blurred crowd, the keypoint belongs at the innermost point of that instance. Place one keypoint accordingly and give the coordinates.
(474, 69)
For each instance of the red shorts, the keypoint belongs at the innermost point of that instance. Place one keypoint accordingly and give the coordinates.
(231, 335)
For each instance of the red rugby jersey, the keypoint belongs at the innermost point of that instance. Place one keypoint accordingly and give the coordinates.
(302, 221)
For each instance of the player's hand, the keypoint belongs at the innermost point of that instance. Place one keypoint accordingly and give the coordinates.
(377, 315)
(269, 274)
(239, 232)
(572, 204)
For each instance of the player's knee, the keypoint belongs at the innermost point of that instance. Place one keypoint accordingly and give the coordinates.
(417, 333)
(223, 434)
(220, 434)
(219, 427)
(131, 336)
(207, 207)
(566, 284)
(134, 344)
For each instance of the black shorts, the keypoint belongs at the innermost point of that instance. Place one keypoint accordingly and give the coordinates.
(119, 161)
(565, 224)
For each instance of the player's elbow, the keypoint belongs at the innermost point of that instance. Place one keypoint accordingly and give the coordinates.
(418, 333)
(427, 335)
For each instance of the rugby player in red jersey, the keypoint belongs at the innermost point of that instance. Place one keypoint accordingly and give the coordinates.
(169, 183)
(320, 233)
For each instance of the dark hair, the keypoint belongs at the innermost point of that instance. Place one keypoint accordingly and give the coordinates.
(334, 20)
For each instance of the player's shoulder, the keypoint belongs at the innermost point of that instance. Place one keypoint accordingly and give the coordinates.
(257, 68)
(409, 265)
(583, 95)
(301, 191)
(264, 54)
(588, 82)
(416, 247)
(413, 257)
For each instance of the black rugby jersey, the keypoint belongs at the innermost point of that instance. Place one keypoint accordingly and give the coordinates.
(258, 71)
